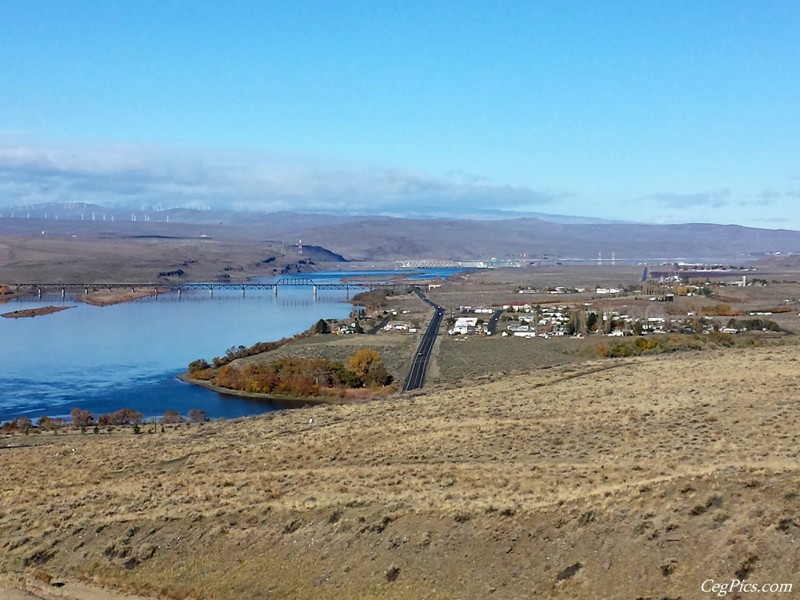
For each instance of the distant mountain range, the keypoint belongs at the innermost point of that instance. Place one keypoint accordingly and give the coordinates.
(391, 238)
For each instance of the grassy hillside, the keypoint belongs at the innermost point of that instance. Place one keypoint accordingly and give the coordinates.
(634, 478)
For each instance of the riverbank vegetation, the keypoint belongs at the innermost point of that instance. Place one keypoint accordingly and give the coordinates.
(377, 299)
(298, 377)
(83, 420)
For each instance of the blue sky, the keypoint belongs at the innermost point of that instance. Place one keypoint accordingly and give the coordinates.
(679, 111)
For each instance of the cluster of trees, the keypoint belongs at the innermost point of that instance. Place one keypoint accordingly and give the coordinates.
(51, 423)
(658, 344)
(124, 416)
(21, 424)
(719, 310)
(775, 310)
(582, 322)
(377, 298)
(321, 327)
(81, 419)
(306, 377)
(754, 325)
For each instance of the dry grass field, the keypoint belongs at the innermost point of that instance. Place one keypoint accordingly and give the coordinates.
(605, 479)
(461, 359)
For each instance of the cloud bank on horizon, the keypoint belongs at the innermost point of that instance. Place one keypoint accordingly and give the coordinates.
(170, 177)
(621, 111)
(167, 177)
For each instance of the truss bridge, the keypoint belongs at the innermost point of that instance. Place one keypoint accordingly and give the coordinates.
(159, 287)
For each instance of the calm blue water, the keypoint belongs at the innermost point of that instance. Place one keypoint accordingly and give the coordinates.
(128, 355)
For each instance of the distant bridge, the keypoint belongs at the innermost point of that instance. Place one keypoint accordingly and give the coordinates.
(179, 287)
(460, 264)
(429, 264)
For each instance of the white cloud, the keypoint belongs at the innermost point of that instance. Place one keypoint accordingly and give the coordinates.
(712, 199)
(162, 176)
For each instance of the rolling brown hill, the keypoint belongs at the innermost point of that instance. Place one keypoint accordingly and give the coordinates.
(387, 238)
(383, 238)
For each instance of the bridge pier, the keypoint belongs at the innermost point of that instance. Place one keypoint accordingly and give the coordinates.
(63, 293)
(39, 292)
(275, 290)
(315, 292)
(179, 293)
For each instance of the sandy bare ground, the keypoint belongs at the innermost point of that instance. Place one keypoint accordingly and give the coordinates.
(34, 312)
(30, 588)
(616, 479)
(106, 298)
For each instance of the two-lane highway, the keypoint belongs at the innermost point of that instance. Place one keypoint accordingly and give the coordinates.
(491, 326)
(416, 376)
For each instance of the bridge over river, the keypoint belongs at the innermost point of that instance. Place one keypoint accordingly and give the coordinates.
(179, 287)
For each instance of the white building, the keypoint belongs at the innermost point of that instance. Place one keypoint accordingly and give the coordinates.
(463, 325)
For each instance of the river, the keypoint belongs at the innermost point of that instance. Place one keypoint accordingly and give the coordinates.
(129, 355)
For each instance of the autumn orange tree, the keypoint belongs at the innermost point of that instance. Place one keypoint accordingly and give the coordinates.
(123, 416)
(368, 366)
(171, 417)
(80, 417)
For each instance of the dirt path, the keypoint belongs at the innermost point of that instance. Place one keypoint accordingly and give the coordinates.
(32, 589)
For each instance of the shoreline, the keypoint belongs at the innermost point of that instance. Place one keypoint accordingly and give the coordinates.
(313, 401)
